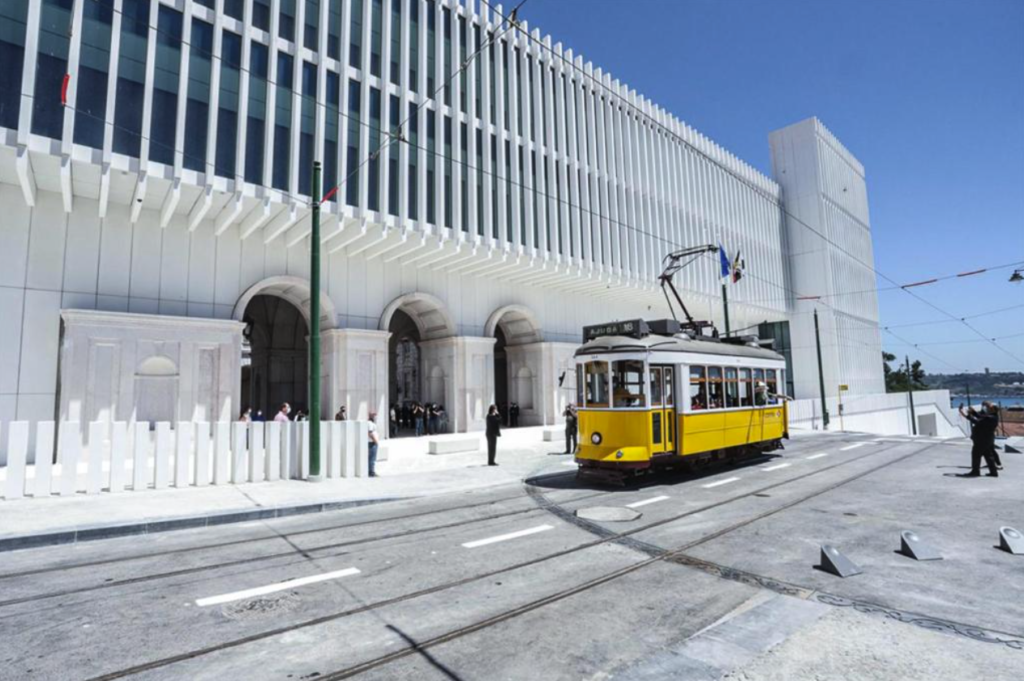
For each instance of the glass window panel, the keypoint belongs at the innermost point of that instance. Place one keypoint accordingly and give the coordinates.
(256, 119)
(355, 44)
(373, 167)
(376, 35)
(13, 16)
(716, 396)
(628, 383)
(93, 73)
(656, 386)
(396, 40)
(698, 388)
(261, 14)
(596, 384)
(670, 388)
(771, 380)
(311, 32)
(352, 170)
(746, 389)
(51, 67)
(235, 9)
(197, 108)
(414, 46)
(283, 122)
(286, 20)
(333, 30)
(732, 391)
(227, 114)
(163, 124)
(413, 133)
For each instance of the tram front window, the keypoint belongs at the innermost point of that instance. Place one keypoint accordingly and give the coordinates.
(628, 383)
(596, 385)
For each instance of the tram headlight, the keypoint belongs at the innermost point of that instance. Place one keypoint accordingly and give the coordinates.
(595, 438)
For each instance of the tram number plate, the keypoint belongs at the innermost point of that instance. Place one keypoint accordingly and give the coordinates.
(635, 328)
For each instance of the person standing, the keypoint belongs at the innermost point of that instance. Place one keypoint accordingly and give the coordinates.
(282, 413)
(571, 429)
(341, 415)
(983, 436)
(246, 416)
(372, 444)
(418, 415)
(392, 421)
(513, 414)
(493, 432)
(435, 418)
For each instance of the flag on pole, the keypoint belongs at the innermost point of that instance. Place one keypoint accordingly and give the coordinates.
(738, 265)
(724, 260)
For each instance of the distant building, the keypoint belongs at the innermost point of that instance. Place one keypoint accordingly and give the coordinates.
(154, 247)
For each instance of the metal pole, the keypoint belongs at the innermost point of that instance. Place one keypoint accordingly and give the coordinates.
(910, 394)
(725, 303)
(314, 332)
(821, 373)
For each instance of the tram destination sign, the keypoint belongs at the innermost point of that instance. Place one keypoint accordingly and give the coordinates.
(634, 328)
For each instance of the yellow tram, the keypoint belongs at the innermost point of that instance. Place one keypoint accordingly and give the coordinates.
(650, 396)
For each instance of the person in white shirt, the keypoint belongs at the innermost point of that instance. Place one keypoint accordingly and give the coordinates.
(282, 413)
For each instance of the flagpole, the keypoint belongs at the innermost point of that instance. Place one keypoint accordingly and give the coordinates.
(725, 304)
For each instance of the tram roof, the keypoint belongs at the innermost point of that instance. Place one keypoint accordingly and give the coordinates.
(680, 343)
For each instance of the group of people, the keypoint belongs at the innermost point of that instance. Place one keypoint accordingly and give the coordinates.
(983, 436)
(284, 413)
(510, 412)
(424, 419)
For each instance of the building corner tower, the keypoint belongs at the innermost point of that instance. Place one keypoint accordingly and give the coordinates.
(830, 260)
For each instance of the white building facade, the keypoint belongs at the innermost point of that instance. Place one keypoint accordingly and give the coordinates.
(155, 192)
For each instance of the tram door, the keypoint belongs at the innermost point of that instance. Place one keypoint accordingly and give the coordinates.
(663, 416)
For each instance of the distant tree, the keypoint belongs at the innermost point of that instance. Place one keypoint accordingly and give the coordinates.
(896, 380)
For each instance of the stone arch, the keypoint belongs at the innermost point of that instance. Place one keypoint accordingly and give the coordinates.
(296, 291)
(517, 322)
(428, 312)
(157, 365)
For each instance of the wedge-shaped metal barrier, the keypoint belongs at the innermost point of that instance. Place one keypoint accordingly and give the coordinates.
(833, 560)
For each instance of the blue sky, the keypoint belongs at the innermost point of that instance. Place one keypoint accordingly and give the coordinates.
(928, 94)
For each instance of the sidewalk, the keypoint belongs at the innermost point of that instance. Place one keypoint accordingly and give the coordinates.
(59, 520)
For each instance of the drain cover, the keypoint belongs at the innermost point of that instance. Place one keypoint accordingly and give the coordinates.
(608, 514)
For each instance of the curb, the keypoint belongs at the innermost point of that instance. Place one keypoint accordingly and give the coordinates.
(95, 532)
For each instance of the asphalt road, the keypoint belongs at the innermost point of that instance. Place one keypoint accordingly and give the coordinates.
(507, 583)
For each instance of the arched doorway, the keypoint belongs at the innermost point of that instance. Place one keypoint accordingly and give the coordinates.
(274, 356)
(512, 326)
(415, 372)
(404, 369)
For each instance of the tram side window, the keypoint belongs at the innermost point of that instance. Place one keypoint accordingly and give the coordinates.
(698, 389)
(579, 385)
(656, 385)
(732, 388)
(746, 390)
(771, 378)
(716, 392)
(628, 383)
(760, 388)
(597, 384)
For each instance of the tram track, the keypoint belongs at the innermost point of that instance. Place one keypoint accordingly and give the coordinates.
(510, 614)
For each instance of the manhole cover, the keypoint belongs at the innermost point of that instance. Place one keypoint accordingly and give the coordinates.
(608, 514)
(261, 606)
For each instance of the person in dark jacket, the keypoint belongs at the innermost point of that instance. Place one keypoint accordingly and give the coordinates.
(493, 433)
(571, 429)
(983, 436)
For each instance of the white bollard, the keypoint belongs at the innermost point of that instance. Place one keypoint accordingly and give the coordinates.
(97, 445)
(222, 453)
(141, 476)
(273, 443)
(70, 438)
(239, 433)
(118, 454)
(256, 463)
(348, 445)
(17, 458)
(183, 453)
(334, 441)
(361, 450)
(303, 454)
(164, 446)
(42, 486)
(287, 449)
(203, 448)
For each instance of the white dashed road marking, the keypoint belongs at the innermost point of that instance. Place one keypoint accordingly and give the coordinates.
(816, 456)
(652, 500)
(720, 482)
(506, 537)
(775, 467)
(271, 588)
(853, 446)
